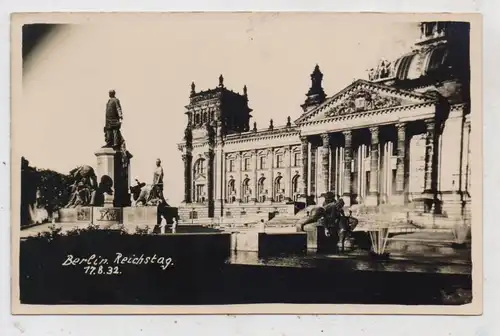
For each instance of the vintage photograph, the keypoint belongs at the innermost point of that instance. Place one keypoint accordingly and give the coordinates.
(221, 159)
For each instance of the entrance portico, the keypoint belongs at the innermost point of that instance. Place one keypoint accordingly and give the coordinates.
(364, 152)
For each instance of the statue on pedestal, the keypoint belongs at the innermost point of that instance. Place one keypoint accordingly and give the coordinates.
(114, 117)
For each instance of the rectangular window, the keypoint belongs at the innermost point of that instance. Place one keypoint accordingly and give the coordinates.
(246, 164)
(231, 165)
(262, 162)
(279, 161)
(296, 159)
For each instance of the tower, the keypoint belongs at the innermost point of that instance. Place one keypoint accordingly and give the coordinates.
(223, 110)
(316, 95)
(212, 114)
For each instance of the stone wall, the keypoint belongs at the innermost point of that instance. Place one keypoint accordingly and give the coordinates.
(83, 215)
(235, 211)
(140, 215)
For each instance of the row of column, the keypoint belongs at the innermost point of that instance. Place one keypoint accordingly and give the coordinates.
(429, 180)
(329, 173)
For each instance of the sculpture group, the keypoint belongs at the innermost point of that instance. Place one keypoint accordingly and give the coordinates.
(87, 191)
(331, 218)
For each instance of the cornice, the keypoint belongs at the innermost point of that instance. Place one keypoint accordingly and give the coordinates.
(367, 114)
(265, 134)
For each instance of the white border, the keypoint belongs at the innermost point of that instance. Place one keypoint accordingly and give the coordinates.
(267, 325)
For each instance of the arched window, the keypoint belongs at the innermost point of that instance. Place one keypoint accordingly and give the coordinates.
(278, 189)
(231, 187)
(196, 119)
(261, 190)
(199, 167)
(205, 119)
(245, 190)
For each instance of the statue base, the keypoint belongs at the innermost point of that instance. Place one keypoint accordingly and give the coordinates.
(115, 164)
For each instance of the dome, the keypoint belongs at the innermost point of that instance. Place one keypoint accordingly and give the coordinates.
(412, 65)
(420, 63)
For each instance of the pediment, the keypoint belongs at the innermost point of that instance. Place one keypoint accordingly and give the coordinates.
(362, 96)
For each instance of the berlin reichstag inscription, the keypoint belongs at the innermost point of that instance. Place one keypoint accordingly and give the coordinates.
(322, 175)
(97, 265)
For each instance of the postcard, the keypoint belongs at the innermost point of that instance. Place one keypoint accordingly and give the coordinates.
(246, 163)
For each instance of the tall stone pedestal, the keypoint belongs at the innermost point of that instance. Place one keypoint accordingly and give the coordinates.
(112, 163)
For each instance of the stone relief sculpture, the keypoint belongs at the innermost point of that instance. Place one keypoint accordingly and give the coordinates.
(361, 101)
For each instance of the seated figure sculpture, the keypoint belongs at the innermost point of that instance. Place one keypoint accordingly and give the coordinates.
(85, 181)
(331, 218)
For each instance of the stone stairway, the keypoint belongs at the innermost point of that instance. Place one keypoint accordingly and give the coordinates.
(284, 220)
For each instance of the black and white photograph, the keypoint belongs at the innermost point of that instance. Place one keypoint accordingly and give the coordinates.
(246, 163)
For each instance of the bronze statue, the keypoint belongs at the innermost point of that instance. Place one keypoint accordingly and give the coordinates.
(105, 187)
(85, 181)
(114, 117)
(158, 182)
(331, 218)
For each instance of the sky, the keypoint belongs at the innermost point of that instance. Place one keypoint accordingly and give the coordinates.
(151, 64)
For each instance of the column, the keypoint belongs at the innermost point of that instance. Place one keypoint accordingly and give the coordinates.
(305, 158)
(187, 159)
(400, 164)
(238, 180)
(373, 193)
(255, 178)
(333, 170)
(313, 177)
(270, 194)
(347, 167)
(219, 178)
(287, 160)
(429, 155)
(210, 181)
(325, 162)
(222, 180)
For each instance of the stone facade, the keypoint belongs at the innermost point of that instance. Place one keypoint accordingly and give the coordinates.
(401, 137)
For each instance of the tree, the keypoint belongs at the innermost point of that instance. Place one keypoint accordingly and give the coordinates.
(54, 189)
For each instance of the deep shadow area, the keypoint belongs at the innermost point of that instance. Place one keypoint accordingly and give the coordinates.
(200, 274)
(33, 35)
